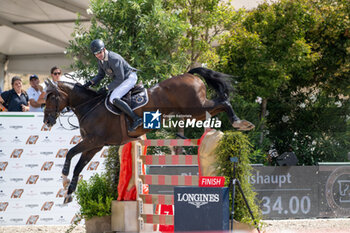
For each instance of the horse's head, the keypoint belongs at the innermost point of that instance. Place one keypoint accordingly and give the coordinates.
(56, 101)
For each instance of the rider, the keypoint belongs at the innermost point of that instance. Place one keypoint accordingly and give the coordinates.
(123, 75)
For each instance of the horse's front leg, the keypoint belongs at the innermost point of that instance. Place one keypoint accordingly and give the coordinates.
(84, 159)
(80, 147)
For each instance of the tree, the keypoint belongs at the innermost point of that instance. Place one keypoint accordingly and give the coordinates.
(283, 53)
(205, 21)
(332, 41)
(140, 30)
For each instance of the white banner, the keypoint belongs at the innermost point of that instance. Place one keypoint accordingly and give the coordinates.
(31, 161)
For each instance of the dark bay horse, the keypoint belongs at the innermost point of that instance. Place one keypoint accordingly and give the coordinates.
(184, 94)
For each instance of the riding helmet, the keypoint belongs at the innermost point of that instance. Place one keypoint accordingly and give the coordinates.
(96, 46)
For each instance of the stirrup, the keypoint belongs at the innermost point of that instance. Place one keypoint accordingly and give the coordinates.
(136, 123)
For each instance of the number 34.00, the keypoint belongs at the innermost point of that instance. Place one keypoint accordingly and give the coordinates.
(295, 205)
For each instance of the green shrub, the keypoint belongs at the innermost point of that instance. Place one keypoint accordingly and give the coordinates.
(236, 144)
(112, 168)
(94, 196)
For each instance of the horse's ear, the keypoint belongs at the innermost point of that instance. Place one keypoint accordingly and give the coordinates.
(50, 86)
(51, 83)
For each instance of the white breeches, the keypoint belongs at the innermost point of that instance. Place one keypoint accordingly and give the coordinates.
(124, 87)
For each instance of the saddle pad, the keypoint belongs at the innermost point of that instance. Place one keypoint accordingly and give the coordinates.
(137, 101)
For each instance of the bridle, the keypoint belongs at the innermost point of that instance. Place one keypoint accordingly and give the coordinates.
(54, 113)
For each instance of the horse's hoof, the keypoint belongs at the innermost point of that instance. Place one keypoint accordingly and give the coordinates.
(68, 199)
(243, 125)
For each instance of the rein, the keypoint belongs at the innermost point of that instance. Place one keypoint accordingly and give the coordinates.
(75, 108)
(83, 104)
(65, 110)
(73, 127)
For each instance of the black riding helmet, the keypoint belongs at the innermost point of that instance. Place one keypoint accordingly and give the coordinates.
(96, 46)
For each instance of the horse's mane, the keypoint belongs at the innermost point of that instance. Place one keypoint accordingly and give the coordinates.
(76, 91)
(80, 89)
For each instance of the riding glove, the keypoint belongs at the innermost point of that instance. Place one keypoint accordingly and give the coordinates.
(86, 85)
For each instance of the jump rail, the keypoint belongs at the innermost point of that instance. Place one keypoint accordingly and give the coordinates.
(173, 180)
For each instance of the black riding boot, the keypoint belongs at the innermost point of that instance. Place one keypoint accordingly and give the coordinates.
(137, 121)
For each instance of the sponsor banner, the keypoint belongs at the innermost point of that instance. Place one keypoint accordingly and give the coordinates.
(31, 160)
(44, 166)
(12, 219)
(30, 127)
(32, 121)
(28, 152)
(37, 206)
(33, 186)
(38, 153)
(211, 181)
(194, 208)
(21, 193)
(39, 138)
(37, 218)
(286, 191)
(42, 152)
(334, 191)
(30, 180)
(14, 140)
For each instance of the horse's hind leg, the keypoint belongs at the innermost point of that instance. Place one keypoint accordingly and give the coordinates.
(237, 123)
(230, 112)
(84, 159)
(219, 106)
(80, 147)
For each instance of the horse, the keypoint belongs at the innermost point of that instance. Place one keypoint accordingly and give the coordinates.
(183, 94)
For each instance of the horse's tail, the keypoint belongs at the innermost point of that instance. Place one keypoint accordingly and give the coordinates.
(218, 81)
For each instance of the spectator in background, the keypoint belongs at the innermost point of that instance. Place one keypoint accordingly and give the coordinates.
(16, 99)
(56, 76)
(33, 94)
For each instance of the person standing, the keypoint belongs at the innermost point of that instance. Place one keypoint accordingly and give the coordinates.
(16, 99)
(123, 76)
(33, 94)
(55, 73)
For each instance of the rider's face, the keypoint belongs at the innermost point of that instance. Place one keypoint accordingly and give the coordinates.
(101, 54)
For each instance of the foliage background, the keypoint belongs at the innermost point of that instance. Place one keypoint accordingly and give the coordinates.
(294, 55)
(141, 31)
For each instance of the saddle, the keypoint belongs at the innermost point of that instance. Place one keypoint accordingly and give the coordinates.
(135, 98)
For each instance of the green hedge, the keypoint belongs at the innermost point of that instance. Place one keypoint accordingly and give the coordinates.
(94, 197)
(236, 144)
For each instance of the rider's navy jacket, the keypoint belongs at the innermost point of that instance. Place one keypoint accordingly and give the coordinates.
(115, 67)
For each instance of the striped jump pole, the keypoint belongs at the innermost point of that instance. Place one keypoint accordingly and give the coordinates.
(142, 179)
